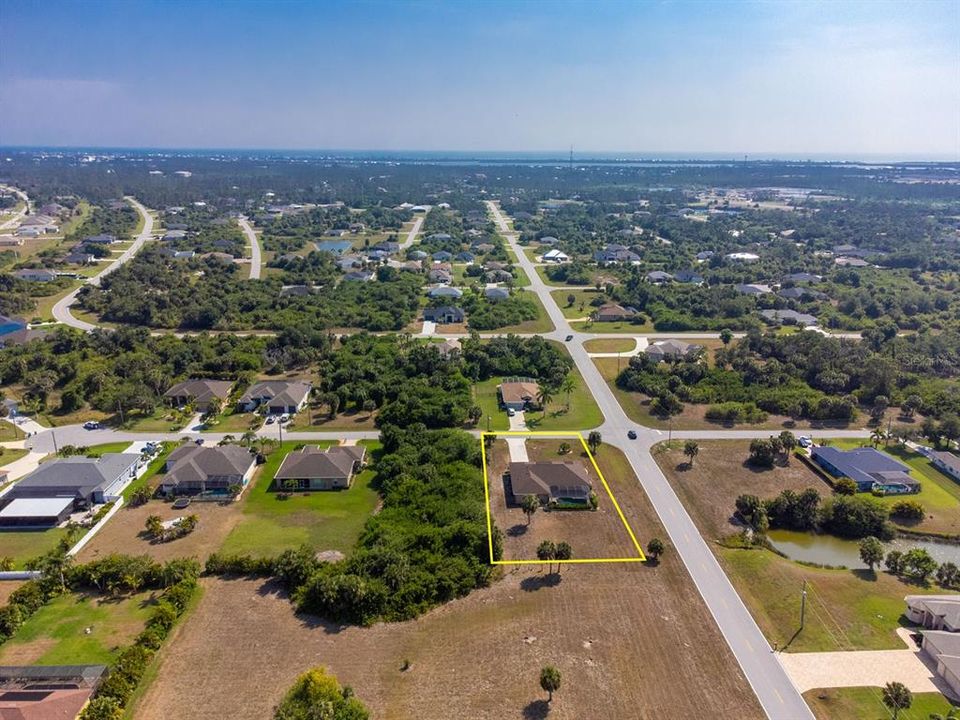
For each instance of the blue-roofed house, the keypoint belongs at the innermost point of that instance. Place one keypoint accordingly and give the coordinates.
(496, 293)
(688, 276)
(444, 315)
(467, 257)
(442, 256)
(337, 247)
(870, 469)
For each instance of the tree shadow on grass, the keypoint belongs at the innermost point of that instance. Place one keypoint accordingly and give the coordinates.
(516, 530)
(865, 574)
(536, 710)
(535, 582)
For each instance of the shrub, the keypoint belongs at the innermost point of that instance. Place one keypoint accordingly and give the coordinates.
(907, 510)
(845, 486)
(218, 564)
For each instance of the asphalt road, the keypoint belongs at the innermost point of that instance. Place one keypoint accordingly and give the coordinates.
(19, 215)
(61, 311)
(254, 241)
(778, 696)
(412, 235)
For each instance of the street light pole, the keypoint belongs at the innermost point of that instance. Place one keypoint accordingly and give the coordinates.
(803, 604)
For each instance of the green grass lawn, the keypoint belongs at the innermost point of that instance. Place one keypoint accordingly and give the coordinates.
(485, 395)
(327, 520)
(234, 422)
(865, 703)
(581, 307)
(9, 432)
(103, 449)
(10, 455)
(156, 465)
(163, 419)
(624, 326)
(57, 630)
(609, 345)
(583, 413)
(23, 545)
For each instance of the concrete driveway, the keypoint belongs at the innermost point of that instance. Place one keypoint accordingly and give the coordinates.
(865, 668)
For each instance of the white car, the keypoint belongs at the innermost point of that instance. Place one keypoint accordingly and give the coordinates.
(511, 412)
(804, 441)
(271, 419)
(284, 418)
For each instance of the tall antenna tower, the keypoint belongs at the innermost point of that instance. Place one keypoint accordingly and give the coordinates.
(571, 158)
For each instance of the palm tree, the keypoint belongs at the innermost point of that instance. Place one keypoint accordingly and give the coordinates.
(563, 551)
(691, 448)
(550, 681)
(594, 440)
(248, 438)
(877, 436)
(546, 551)
(529, 504)
(897, 697)
(544, 397)
(953, 714)
(568, 385)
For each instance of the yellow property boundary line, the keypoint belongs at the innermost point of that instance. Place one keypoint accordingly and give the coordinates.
(640, 557)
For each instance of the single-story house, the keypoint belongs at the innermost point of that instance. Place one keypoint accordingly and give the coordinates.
(336, 247)
(610, 256)
(78, 257)
(850, 262)
(561, 482)
(173, 235)
(444, 315)
(359, 276)
(753, 289)
(47, 692)
(465, 257)
(347, 263)
(934, 612)
(688, 276)
(659, 276)
(946, 462)
(449, 347)
(102, 239)
(673, 350)
(388, 246)
(56, 488)
(311, 468)
(869, 468)
(278, 396)
(519, 393)
(10, 241)
(742, 257)
(200, 392)
(37, 220)
(438, 275)
(35, 274)
(555, 256)
(495, 294)
(799, 293)
(484, 247)
(337, 232)
(442, 256)
(705, 255)
(52, 209)
(547, 239)
(193, 469)
(611, 312)
(943, 647)
(495, 276)
(788, 317)
(417, 255)
(297, 290)
(802, 277)
(445, 291)
(177, 254)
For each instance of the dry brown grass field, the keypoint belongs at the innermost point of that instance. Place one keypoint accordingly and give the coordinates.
(632, 641)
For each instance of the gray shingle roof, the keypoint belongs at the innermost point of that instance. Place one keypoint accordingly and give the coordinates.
(76, 476)
(312, 462)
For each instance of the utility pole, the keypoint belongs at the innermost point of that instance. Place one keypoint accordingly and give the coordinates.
(120, 408)
(803, 604)
(669, 430)
(53, 434)
(618, 362)
(489, 420)
(280, 429)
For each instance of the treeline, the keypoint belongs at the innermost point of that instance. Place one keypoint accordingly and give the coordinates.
(428, 544)
(156, 292)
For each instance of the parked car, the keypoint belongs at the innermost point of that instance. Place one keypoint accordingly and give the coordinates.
(271, 419)
(569, 338)
(805, 441)
(92, 425)
(284, 418)
(511, 412)
(632, 434)
(199, 441)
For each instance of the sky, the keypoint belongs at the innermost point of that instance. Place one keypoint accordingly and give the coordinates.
(842, 79)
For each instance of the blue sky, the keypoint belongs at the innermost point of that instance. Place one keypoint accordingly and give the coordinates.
(848, 79)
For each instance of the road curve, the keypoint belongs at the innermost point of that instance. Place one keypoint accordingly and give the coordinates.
(254, 241)
(61, 311)
(19, 215)
(777, 694)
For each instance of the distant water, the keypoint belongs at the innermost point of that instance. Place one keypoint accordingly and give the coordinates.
(9, 325)
(560, 157)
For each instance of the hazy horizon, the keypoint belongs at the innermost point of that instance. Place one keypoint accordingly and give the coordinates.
(845, 80)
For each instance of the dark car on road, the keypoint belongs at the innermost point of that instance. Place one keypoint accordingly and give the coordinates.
(569, 338)
(632, 434)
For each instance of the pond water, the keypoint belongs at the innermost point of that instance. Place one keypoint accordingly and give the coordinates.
(830, 550)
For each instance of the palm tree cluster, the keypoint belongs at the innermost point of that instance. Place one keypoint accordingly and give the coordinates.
(548, 551)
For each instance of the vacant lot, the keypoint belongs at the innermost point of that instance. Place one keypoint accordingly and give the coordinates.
(271, 521)
(591, 533)
(23, 545)
(57, 633)
(623, 651)
(846, 609)
(605, 345)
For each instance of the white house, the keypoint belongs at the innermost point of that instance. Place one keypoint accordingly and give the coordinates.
(555, 256)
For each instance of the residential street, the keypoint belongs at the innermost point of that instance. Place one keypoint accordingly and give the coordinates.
(773, 687)
(255, 255)
(17, 216)
(61, 311)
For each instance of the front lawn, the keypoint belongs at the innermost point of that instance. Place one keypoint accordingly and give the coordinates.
(234, 422)
(865, 703)
(485, 395)
(326, 520)
(103, 449)
(163, 419)
(610, 345)
(582, 413)
(23, 545)
(9, 455)
(57, 633)
(581, 307)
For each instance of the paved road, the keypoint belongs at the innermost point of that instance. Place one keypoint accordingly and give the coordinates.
(61, 311)
(412, 235)
(775, 691)
(254, 241)
(19, 215)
